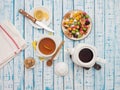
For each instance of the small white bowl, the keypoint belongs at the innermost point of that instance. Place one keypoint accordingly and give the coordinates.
(40, 54)
(31, 66)
(45, 22)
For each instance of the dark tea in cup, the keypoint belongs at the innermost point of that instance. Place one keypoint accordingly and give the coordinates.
(85, 55)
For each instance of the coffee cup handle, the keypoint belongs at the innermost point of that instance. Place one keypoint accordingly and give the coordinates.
(101, 60)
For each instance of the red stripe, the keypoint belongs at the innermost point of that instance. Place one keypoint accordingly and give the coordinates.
(9, 36)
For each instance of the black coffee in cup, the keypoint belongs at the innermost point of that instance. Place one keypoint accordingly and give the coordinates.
(85, 55)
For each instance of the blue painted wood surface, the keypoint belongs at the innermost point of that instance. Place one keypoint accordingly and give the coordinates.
(105, 35)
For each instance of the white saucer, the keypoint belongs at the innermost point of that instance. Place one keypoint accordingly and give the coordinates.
(45, 22)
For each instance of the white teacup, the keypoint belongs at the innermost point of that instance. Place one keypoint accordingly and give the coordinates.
(75, 55)
(39, 53)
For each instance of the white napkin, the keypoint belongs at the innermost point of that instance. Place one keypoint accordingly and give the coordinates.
(11, 42)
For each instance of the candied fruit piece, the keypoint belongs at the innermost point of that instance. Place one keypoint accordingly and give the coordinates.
(87, 22)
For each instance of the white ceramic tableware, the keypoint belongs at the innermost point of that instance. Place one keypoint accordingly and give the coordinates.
(74, 52)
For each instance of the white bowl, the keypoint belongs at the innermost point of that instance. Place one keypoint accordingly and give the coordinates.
(45, 22)
(40, 54)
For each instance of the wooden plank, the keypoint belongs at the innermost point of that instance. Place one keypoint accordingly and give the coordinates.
(111, 79)
(109, 44)
(89, 74)
(78, 71)
(29, 34)
(58, 81)
(48, 82)
(117, 47)
(19, 59)
(2, 69)
(9, 68)
(68, 80)
(38, 71)
(2, 16)
(79, 5)
(1, 79)
(99, 42)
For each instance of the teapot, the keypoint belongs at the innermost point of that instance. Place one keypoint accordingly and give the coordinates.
(85, 55)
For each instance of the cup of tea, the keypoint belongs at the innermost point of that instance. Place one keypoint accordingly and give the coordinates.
(86, 56)
(46, 46)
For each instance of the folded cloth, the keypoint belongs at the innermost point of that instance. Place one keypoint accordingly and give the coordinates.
(11, 42)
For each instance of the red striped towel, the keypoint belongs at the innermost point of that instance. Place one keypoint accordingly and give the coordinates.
(11, 42)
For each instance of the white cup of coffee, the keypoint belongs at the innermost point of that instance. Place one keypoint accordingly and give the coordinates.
(85, 56)
(46, 46)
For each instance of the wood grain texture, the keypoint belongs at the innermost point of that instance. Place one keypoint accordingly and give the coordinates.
(117, 46)
(58, 81)
(38, 71)
(29, 34)
(89, 74)
(78, 71)
(9, 68)
(49, 71)
(99, 42)
(109, 44)
(19, 60)
(1, 79)
(1, 70)
(105, 36)
(68, 80)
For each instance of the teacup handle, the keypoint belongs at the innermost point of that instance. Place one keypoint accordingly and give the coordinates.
(101, 60)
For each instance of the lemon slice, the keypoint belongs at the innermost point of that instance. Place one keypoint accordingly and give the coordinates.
(46, 16)
(41, 59)
(38, 14)
(34, 44)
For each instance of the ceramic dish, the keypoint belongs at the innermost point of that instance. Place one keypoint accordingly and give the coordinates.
(57, 41)
(76, 25)
(29, 63)
(46, 22)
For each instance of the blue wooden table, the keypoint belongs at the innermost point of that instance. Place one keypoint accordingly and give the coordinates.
(105, 36)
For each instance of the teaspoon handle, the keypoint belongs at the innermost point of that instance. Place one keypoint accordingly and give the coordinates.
(49, 62)
(59, 47)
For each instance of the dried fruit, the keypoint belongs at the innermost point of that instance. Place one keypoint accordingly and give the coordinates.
(29, 62)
